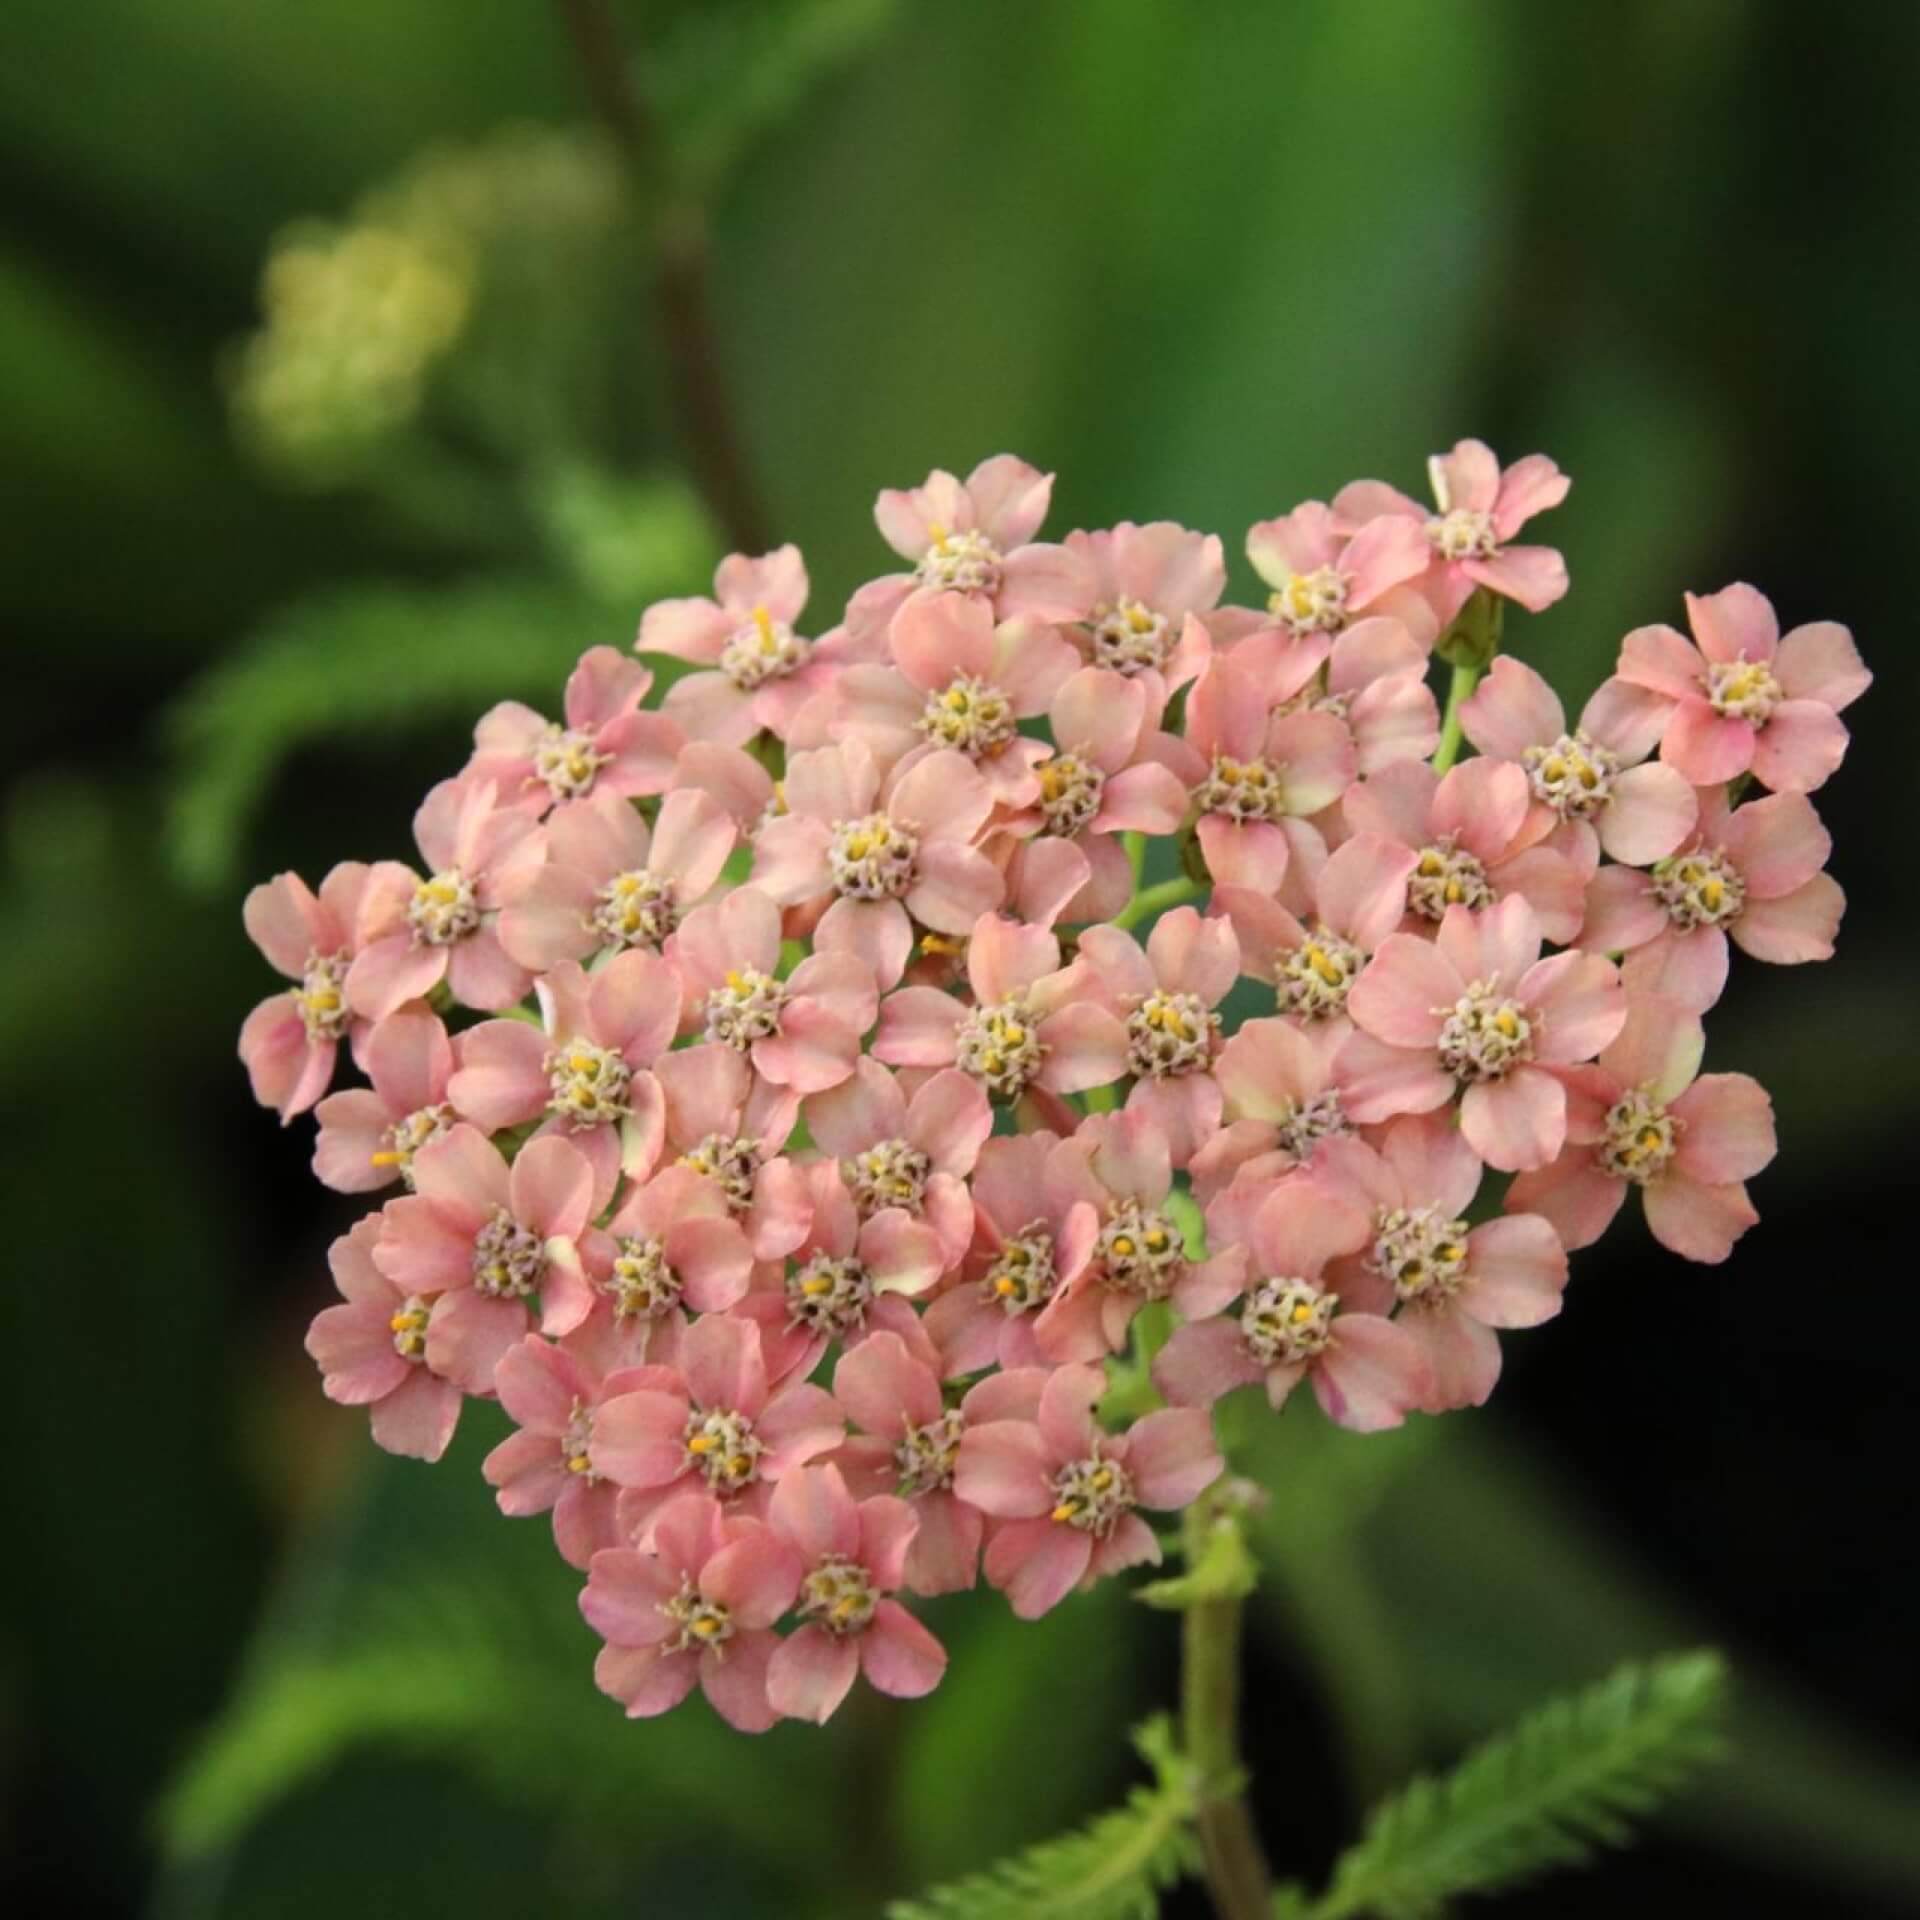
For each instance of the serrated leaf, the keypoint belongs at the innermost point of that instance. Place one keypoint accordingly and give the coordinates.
(1115, 1868)
(1570, 1778)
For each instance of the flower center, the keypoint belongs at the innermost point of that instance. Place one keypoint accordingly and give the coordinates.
(409, 1328)
(872, 858)
(999, 1045)
(891, 1174)
(1243, 790)
(1446, 876)
(588, 1083)
(1022, 1278)
(1092, 1494)
(1304, 1124)
(320, 996)
(1169, 1033)
(697, 1621)
(1485, 1037)
(829, 1295)
(839, 1594)
(509, 1260)
(1311, 980)
(1313, 602)
(731, 1159)
(634, 909)
(1743, 690)
(1640, 1138)
(960, 563)
(1129, 637)
(641, 1285)
(443, 909)
(405, 1138)
(1422, 1251)
(972, 715)
(746, 1007)
(565, 759)
(926, 1455)
(1287, 1320)
(1070, 789)
(1574, 776)
(576, 1441)
(723, 1446)
(1699, 889)
(1463, 534)
(1140, 1252)
(763, 649)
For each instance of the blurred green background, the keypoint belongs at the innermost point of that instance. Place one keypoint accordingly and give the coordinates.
(1204, 259)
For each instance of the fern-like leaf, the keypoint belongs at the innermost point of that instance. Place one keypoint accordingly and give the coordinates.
(1571, 1777)
(1115, 1868)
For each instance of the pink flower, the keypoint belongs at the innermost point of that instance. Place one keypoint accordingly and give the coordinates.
(1281, 1096)
(1120, 1164)
(878, 855)
(1451, 1285)
(713, 1422)
(911, 1154)
(1148, 583)
(853, 1555)
(372, 1352)
(477, 853)
(1744, 699)
(911, 1441)
(1477, 840)
(607, 746)
(762, 672)
(1367, 1373)
(698, 1605)
(802, 1032)
(551, 1395)
(974, 538)
(1267, 771)
(369, 1135)
(1477, 1010)
(1032, 1024)
(1109, 775)
(1481, 509)
(854, 1272)
(1068, 1490)
(722, 1120)
(483, 1242)
(1638, 1117)
(1589, 785)
(1376, 682)
(584, 1068)
(609, 883)
(1752, 873)
(1325, 574)
(958, 680)
(735, 781)
(289, 1042)
(1033, 1236)
(1168, 998)
(673, 1245)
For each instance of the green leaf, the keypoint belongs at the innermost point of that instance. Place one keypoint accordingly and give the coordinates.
(1115, 1868)
(1569, 1778)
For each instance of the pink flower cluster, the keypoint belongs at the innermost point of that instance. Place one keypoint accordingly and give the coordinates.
(832, 1140)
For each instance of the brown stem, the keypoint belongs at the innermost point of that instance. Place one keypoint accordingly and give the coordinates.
(682, 288)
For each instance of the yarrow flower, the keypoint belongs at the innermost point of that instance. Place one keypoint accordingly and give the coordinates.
(929, 1066)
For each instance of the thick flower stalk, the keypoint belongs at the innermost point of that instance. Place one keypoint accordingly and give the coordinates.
(801, 1102)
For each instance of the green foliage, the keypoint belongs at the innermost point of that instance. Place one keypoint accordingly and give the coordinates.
(730, 75)
(1115, 1868)
(1569, 1778)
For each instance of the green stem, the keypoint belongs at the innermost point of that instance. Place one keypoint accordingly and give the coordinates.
(1156, 899)
(1239, 1882)
(1465, 679)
